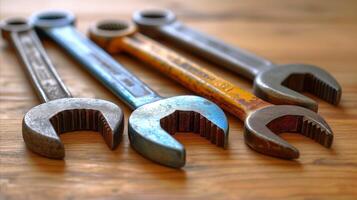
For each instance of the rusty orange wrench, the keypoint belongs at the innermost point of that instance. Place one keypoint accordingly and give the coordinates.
(262, 120)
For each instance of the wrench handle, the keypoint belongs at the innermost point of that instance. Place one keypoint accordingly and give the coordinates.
(114, 76)
(38, 66)
(233, 58)
(199, 80)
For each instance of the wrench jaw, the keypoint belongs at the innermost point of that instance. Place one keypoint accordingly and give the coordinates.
(263, 125)
(149, 21)
(45, 143)
(163, 149)
(43, 123)
(151, 126)
(281, 85)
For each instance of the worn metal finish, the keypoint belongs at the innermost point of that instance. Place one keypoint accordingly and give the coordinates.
(261, 118)
(278, 85)
(43, 123)
(153, 117)
(150, 123)
(262, 126)
(61, 113)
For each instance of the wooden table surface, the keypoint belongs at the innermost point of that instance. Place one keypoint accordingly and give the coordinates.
(322, 33)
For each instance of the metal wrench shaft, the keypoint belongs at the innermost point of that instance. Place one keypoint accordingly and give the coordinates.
(39, 68)
(119, 80)
(216, 51)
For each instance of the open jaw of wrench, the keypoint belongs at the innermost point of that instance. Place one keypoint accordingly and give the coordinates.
(60, 113)
(278, 85)
(153, 116)
(262, 119)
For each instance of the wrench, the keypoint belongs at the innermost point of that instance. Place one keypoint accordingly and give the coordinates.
(262, 119)
(60, 113)
(278, 85)
(153, 117)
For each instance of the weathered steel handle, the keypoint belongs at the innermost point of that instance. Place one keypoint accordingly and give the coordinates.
(163, 24)
(38, 66)
(101, 65)
(224, 93)
(214, 50)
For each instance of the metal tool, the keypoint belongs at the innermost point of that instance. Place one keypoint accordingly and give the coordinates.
(262, 120)
(60, 113)
(278, 85)
(153, 117)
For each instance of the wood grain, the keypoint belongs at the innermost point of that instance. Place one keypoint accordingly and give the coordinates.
(316, 32)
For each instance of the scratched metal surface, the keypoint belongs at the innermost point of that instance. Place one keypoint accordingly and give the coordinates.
(315, 32)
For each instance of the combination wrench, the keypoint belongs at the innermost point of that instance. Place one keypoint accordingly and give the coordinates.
(262, 120)
(278, 84)
(60, 113)
(153, 116)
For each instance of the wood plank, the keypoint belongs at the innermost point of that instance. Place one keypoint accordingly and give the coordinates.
(322, 33)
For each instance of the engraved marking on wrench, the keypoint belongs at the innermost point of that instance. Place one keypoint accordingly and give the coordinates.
(124, 79)
(46, 78)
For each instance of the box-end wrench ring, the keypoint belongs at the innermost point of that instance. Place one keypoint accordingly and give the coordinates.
(60, 113)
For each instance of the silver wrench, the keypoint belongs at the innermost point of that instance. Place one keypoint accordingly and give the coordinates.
(278, 85)
(60, 113)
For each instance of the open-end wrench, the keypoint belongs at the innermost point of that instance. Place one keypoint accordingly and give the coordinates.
(60, 113)
(153, 116)
(262, 119)
(278, 85)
